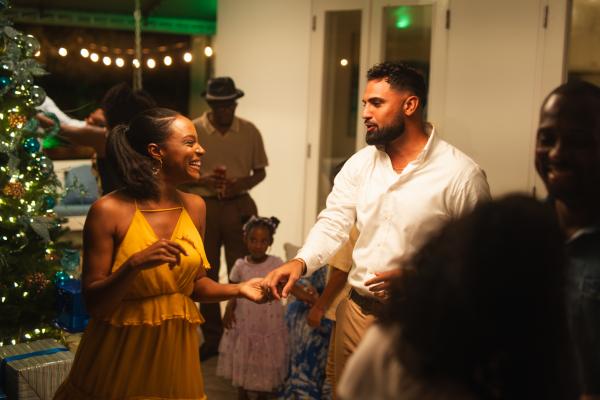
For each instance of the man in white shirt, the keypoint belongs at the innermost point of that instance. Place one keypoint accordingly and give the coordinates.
(397, 191)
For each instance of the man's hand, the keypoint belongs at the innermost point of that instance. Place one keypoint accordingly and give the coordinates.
(212, 181)
(380, 285)
(315, 315)
(287, 274)
(231, 188)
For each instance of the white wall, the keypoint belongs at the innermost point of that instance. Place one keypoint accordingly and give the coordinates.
(264, 46)
(501, 64)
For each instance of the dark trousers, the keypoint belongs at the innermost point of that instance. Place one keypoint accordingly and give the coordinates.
(224, 221)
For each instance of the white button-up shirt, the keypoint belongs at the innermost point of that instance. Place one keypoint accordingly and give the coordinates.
(394, 212)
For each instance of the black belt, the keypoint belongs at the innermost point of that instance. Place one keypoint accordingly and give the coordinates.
(368, 305)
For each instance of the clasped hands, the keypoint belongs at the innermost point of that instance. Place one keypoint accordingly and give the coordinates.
(225, 187)
(279, 282)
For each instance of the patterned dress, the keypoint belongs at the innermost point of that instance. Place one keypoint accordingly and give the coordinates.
(308, 349)
(253, 354)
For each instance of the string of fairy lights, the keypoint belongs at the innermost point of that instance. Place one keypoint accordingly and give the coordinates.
(165, 56)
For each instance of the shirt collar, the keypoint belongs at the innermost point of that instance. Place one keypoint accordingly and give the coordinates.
(210, 129)
(432, 137)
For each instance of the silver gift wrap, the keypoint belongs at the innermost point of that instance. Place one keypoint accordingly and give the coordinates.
(37, 377)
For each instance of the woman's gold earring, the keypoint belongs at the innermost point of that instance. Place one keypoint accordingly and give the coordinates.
(155, 169)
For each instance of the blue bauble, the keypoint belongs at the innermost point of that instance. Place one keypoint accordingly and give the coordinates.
(31, 145)
(4, 81)
(61, 277)
(49, 202)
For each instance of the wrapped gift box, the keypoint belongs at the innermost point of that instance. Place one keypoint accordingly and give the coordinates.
(34, 370)
(72, 315)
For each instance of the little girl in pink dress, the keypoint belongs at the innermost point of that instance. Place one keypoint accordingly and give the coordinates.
(253, 349)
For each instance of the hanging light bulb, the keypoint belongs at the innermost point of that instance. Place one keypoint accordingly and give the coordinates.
(106, 60)
(208, 51)
(151, 63)
(136, 63)
(84, 53)
(62, 52)
(168, 60)
(187, 57)
(38, 53)
(119, 62)
(94, 57)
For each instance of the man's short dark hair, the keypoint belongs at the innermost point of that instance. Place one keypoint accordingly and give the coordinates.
(400, 77)
(578, 89)
(582, 100)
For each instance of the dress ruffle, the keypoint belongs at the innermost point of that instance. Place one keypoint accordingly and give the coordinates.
(154, 310)
(254, 361)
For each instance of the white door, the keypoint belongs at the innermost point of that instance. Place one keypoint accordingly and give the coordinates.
(413, 32)
(337, 68)
(503, 58)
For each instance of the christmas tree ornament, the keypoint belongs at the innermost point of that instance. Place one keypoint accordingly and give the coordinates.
(61, 277)
(52, 257)
(14, 190)
(16, 120)
(49, 202)
(36, 282)
(31, 145)
(46, 166)
(37, 95)
(4, 81)
(29, 45)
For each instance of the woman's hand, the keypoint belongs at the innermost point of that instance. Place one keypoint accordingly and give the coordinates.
(160, 252)
(253, 290)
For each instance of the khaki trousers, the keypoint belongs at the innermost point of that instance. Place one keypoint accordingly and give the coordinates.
(351, 325)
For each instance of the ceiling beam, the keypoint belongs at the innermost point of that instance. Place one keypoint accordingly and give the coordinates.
(180, 26)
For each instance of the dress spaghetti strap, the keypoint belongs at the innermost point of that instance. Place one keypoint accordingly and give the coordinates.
(157, 209)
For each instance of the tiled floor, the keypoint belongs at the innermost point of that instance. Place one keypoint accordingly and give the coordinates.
(216, 388)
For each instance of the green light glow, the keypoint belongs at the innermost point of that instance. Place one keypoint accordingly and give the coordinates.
(403, 17)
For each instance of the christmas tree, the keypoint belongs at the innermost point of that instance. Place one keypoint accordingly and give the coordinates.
(28, 191)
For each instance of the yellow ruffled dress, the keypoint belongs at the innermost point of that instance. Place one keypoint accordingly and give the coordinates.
(148, 348)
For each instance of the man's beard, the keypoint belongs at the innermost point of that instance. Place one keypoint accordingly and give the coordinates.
(385, 134)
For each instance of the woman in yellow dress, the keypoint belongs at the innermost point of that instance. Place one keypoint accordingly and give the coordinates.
(143, 268)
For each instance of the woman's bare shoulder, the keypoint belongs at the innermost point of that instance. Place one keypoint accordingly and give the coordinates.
(195, 207)
(113, 203)
(192, 202)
